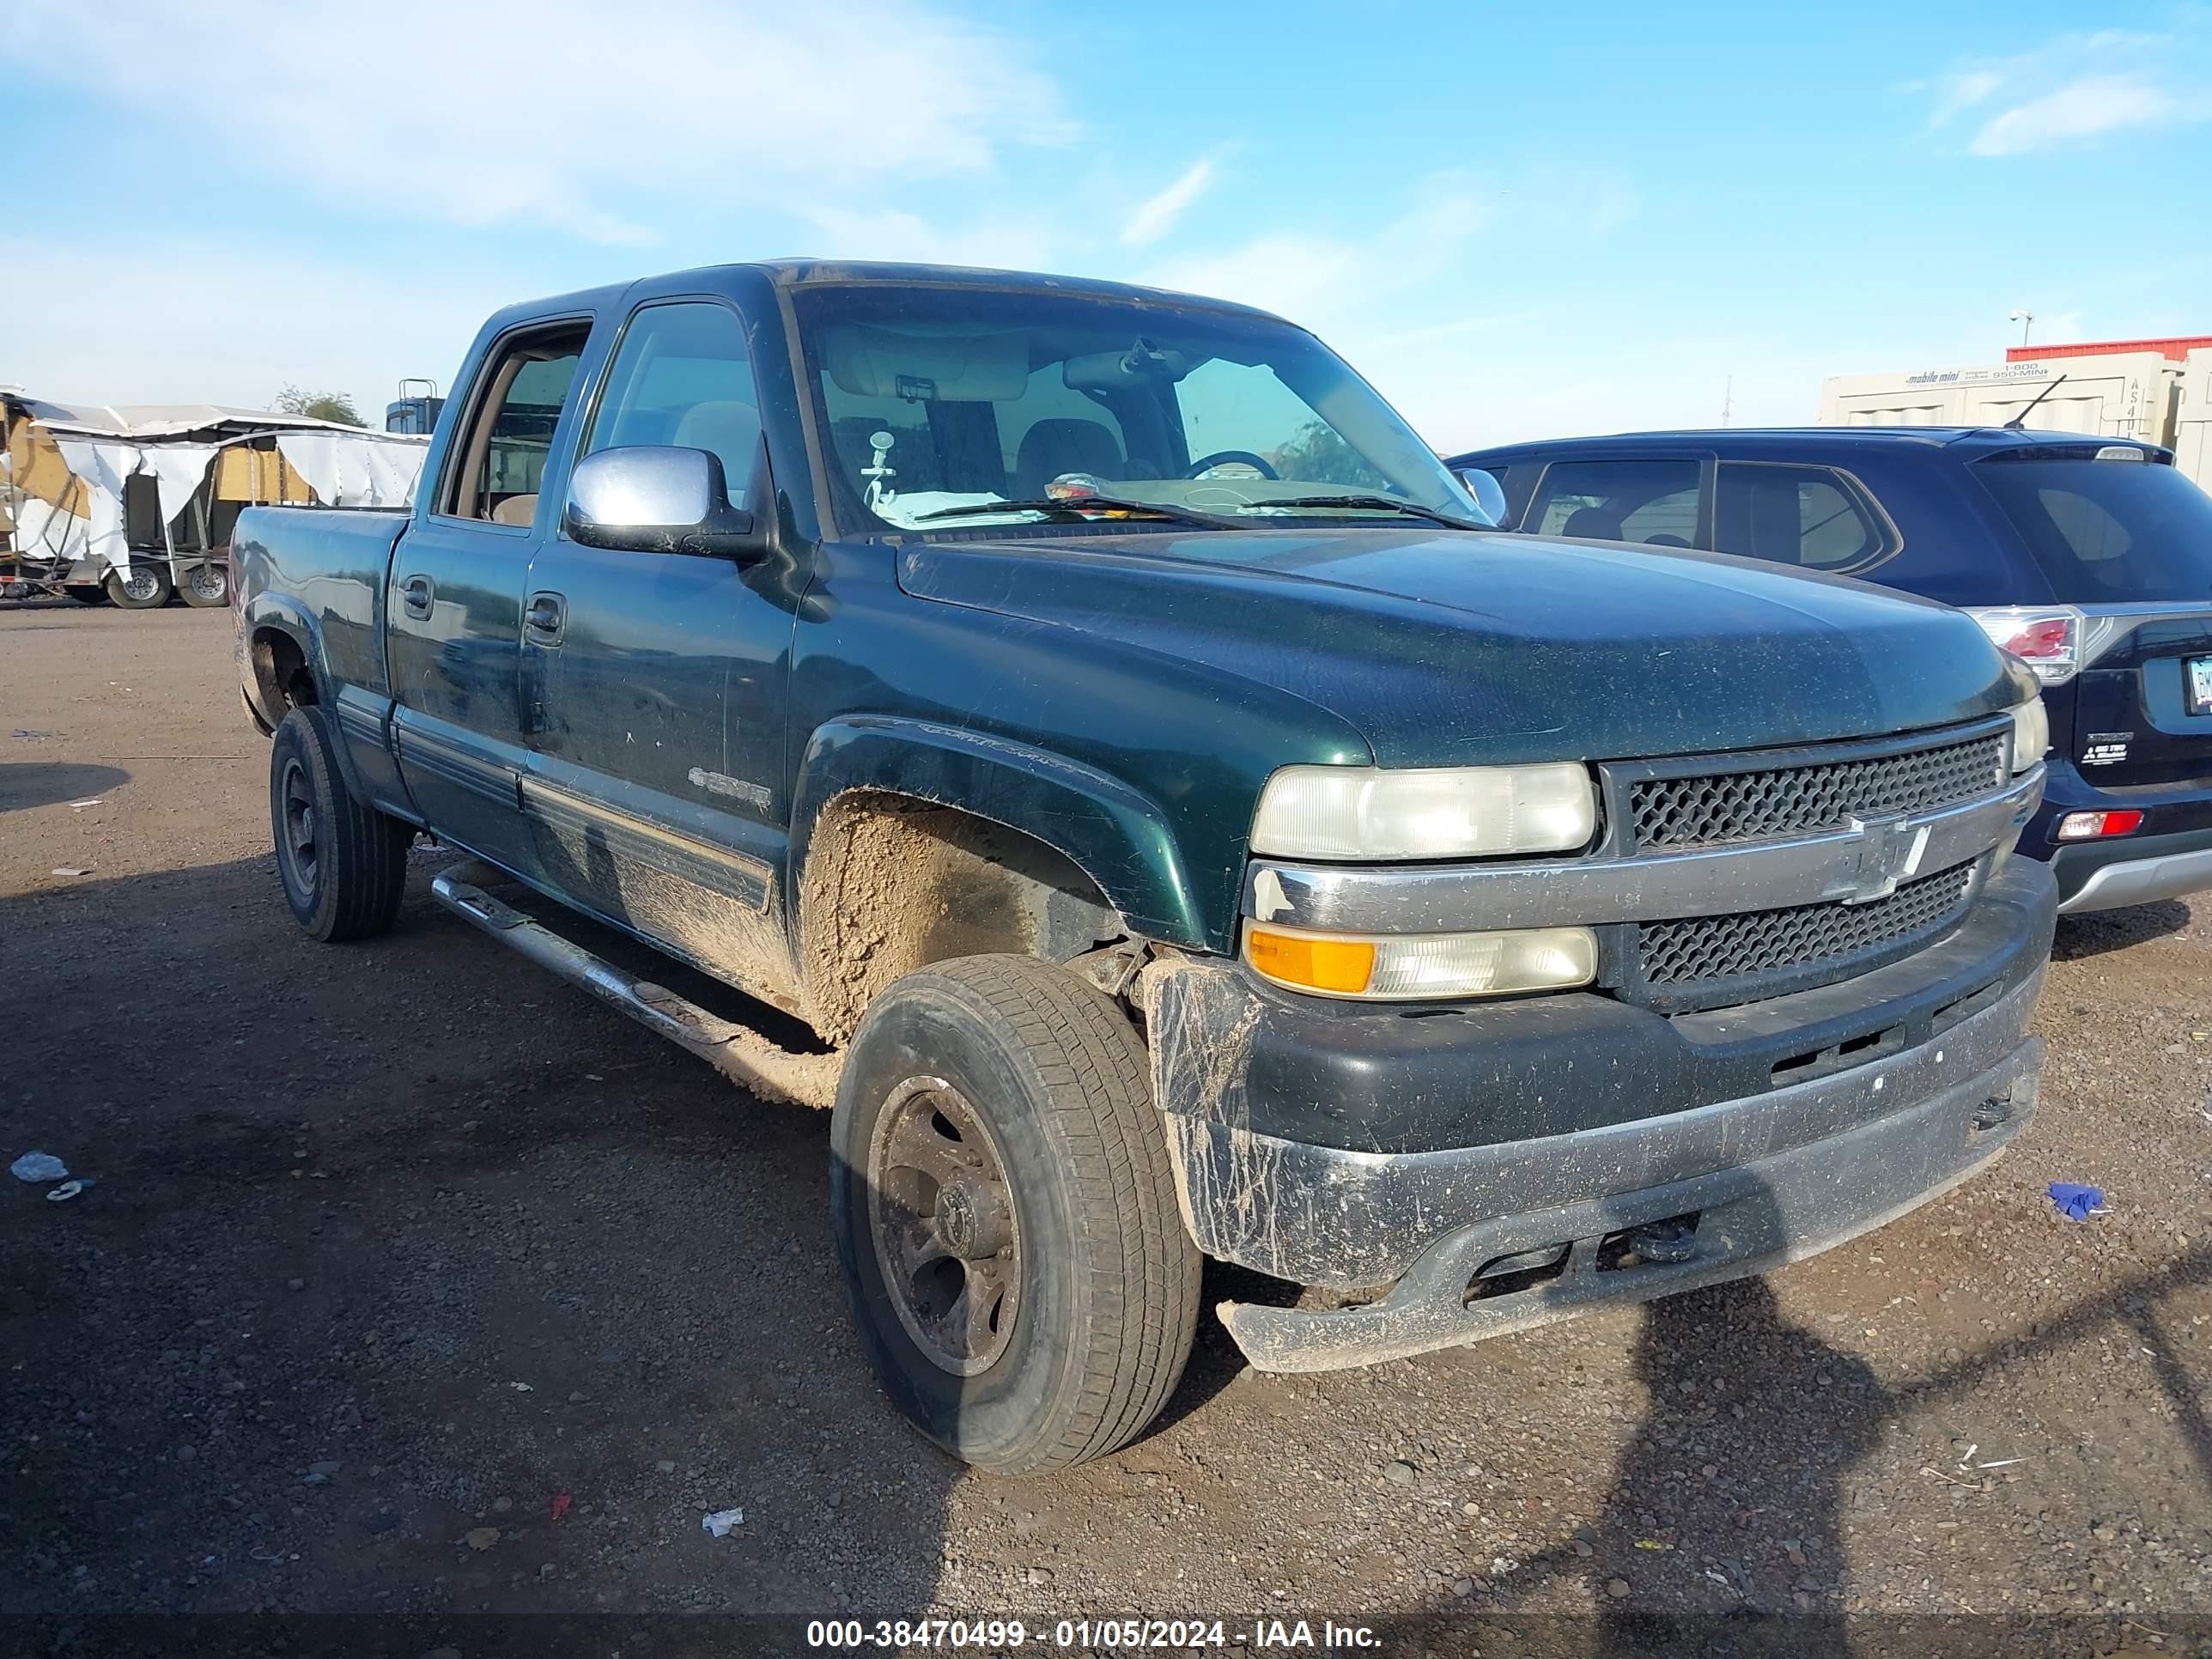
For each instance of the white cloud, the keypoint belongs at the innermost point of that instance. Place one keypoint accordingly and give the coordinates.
(1319, 279)
(2074, 87)
(1963, 92)
(2083, 109)
(590, 119)
(1156, 217)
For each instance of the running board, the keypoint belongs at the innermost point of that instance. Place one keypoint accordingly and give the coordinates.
(747, 1056)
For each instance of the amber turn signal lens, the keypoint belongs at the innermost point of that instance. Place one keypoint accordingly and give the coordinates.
(1323, 965)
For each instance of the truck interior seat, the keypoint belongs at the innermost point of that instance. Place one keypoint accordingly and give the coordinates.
(517, 509)
(1052, 447)
(1594, 524)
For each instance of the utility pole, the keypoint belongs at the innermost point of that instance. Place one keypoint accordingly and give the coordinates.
(2026, 320)
(1728, 400)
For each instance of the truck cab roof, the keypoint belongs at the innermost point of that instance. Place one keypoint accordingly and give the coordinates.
(805, 273)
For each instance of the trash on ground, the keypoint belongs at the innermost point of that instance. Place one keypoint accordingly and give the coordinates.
(71, 870)
(67, 1190)
(483, 1538)
(39, 1166)
(721, 1520)
(522, 1387)
(2076, 1202)
(79, 806)
(561, 1504)
(31, 734)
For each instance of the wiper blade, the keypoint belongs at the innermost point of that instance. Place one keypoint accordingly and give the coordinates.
(1074, 506)
(1388, 503)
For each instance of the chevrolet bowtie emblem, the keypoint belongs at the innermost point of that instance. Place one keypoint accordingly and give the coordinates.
(1885, 851)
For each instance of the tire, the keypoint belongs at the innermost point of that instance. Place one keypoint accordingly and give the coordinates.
(1093, 1298)
(344, 864)
(87, 595)
(206, 584)
(141, 588)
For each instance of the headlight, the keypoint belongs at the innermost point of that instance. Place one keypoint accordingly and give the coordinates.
(2031, 734)
(1439, 812)
(1408, 967)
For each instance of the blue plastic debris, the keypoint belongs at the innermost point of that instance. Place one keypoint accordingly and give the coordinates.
(2076, 1202)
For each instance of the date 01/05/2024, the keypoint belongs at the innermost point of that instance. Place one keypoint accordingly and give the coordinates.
(1170, 1635)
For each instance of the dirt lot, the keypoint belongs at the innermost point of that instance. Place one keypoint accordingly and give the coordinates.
(415, 1283)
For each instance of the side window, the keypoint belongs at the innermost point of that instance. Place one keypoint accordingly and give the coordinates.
(682, 377)
(1808, 516)
(1655, 502)
(494, 472)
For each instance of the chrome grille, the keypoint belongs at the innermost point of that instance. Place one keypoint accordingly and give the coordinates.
(1700, 950)
(1728, 806)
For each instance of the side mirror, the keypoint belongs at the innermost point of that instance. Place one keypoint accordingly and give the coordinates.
(1489, 494)
(655, 499)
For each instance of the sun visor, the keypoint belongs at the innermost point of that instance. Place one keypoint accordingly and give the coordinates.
(961, 368)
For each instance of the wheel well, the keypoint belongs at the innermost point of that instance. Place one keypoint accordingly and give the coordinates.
(281, 672)
(893, 884)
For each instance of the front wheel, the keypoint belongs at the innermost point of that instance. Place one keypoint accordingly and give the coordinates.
(140, 587)
(344, 864)
(1005, 1215)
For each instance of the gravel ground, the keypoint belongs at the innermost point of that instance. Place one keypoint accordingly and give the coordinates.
(414, 1282)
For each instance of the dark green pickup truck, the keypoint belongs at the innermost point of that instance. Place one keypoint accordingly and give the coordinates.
(1177, 826)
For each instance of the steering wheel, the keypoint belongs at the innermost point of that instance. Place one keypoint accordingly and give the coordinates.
(1199, 466)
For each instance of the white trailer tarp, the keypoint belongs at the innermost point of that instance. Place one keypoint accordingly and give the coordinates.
(102, 466)
(349, 471)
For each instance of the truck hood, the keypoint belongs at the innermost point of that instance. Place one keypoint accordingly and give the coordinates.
(1443, 647)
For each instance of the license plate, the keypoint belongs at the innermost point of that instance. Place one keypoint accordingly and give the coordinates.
(2197, 684)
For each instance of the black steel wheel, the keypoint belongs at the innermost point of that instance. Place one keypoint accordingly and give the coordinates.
(1006, 1214)
(344, 864)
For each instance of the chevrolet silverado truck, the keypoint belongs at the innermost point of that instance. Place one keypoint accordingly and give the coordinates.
(1083, 736)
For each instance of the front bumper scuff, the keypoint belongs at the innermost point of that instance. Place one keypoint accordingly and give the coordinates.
(1772, 1176)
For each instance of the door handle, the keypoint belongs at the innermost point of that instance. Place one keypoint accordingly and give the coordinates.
(416, 596)
(545, 616)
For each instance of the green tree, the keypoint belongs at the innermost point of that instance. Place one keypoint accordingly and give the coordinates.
(1318, 455)
(323, 405)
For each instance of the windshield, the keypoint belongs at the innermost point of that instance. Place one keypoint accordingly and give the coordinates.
(2107, 532)
(934, 399)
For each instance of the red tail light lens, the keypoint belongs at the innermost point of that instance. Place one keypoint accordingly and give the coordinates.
(2047, 638)
(2096, 826)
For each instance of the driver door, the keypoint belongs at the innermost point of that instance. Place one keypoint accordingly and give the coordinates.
(653, 683)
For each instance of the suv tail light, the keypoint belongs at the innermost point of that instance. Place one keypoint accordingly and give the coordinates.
(2047, 638)
(2094, 826)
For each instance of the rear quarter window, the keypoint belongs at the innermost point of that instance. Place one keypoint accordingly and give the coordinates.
(1812, 517)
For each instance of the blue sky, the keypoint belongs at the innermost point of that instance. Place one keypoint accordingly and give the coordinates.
(1518, 221)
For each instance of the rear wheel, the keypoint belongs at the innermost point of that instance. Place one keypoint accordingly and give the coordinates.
(206, 584)
(140, 587)
(1006, 1214)
(344, 864)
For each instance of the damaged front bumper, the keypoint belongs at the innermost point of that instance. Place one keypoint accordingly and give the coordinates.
(1514, 1151)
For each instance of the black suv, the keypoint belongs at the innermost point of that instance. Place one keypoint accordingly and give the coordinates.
(2090, 558)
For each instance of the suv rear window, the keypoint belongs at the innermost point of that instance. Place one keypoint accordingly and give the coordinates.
(2107, 532)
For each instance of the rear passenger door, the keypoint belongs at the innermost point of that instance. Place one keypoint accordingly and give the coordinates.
(654, 683)
(452, 634)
